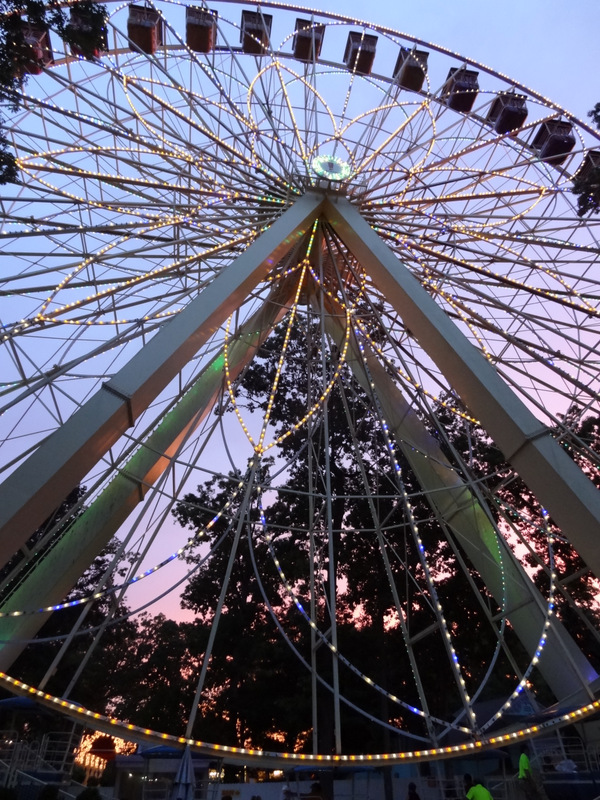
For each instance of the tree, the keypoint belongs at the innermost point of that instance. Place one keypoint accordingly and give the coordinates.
(156, 687)
(586, 182)
(21, 21)
(241, 705)
(594, 113)
(9, 172)
(364, 530)
(367, 527)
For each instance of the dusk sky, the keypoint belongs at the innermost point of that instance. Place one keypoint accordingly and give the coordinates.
(549, 45)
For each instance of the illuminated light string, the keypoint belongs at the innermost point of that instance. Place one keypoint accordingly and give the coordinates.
(110, 724)
(69, 170)
(268, 539)
(377, 151)
(454, 658)
(258, 132)
(180, 154)
(480, 143)
(524, 679)
(453, 301)
(503, 279)
(533, 265)
(550, 609)
(365, 678)
(475, 199)
(126, 79)
(446, 636)
(88, 201)
(413, 172)
(422, 203)
(99, 150)
(259, 446)
(277, 275)
(412, 381)
(348, 308)
(408, 378)
(206, 131)
(553, 274)
(198, 536)
(43, 317)
(397, 369)
(416, 171)
(461, 314)
(437, 606)
(543, 640)
(537, 266)
(96, 122)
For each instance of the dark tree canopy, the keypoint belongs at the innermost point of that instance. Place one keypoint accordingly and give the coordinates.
(594, 113)
(82, 28)
(586, 182)
(251, 662)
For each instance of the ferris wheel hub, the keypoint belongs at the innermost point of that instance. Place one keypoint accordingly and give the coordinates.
(332, 168)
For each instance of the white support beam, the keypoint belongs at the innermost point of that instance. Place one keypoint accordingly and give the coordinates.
(558, 483)
(564, 667)
(51, 580)
(32, 492)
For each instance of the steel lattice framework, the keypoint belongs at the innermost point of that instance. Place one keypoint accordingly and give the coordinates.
(403, 211)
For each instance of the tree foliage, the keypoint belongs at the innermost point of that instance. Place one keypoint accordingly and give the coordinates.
(251, 664)
(586, 187)
(83, 29)
(594, 113)
(586, 182)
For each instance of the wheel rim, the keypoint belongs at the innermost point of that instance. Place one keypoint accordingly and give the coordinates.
(181, 160)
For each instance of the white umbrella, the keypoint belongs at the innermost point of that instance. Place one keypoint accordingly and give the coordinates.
(184, 784)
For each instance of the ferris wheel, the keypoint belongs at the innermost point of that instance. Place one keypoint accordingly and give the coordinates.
(334, 232)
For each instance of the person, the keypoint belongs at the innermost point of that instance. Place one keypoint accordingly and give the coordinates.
(476, 790)
(412, 792)
(529, 785)
(524, 764)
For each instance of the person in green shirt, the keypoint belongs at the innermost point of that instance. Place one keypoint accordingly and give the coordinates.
(524, 765)
(476, 791)
(531, 786)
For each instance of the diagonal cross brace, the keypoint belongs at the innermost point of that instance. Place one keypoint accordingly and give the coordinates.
(559, 484)
(32, 492)
(56, 574)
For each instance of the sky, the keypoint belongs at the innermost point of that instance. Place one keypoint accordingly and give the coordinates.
(534, 42)
(551, 46)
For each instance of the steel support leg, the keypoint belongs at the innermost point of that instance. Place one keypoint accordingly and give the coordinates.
(558, 483)
(50, 581)
(30, 494)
